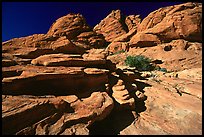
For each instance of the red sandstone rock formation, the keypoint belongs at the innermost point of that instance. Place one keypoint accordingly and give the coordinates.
(182, 21)
(62, 115)
(112, 26)
(59, 83)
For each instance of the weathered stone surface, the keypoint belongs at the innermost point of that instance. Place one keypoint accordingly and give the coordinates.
(16, 43)
(122, 96)
(175, 22)
(66, 60)
(95, 71)
(115, 47)
(172, 108)
(56, 59)
(12, 71)
(112, 26)
(144, 40)
(54, 83)
(95, 54)
(7, 63)
(64, 45)
(132, 21)
(70, 26)
(174, 56)
(66, 115)
(89, 40)
(194, 74)
(126, 37)
(40, 80)
(121, 43)
(37, 45)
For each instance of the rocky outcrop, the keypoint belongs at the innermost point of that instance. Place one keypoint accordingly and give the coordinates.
(168, 109)
(90, 39)
(132, 21)
(65, 82)
(121, 43)
(54, 84)
(174, 56)
(112, 26)
(66, 60)
(144, 40)
(70, 26)
(27, 90)
(182, 21)
(62, 115)
(122, 96)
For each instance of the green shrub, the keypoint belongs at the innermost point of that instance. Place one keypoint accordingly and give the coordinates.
(141, 63)
(160, 69)
(163, 69)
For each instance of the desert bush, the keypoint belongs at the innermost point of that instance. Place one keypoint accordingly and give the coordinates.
(141, 62)
(160, 69)
(163, 69)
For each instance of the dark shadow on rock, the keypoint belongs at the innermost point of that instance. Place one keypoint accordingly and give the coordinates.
(141, 85)
(128, 81)
(59, 87)
(119, 119)
(115, 122)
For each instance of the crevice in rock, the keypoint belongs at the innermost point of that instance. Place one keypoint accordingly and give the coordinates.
(124, 25)
(6, 74)
(180, 92)
(16, 122)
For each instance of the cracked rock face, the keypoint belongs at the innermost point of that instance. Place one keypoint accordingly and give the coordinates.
(65, 82)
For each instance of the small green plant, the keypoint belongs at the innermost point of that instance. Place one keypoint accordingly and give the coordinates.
(163, 69)
(141, 62)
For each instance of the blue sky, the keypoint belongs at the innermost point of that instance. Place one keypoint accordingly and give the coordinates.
(21, 19)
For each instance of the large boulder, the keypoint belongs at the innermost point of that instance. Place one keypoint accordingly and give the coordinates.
(70, 26)
(144, 40)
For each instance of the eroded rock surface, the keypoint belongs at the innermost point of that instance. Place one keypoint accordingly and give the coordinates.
(173, 106)
(182, 21)
(112, 26)
(62, 115)
(70, 26)
(65, 82)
